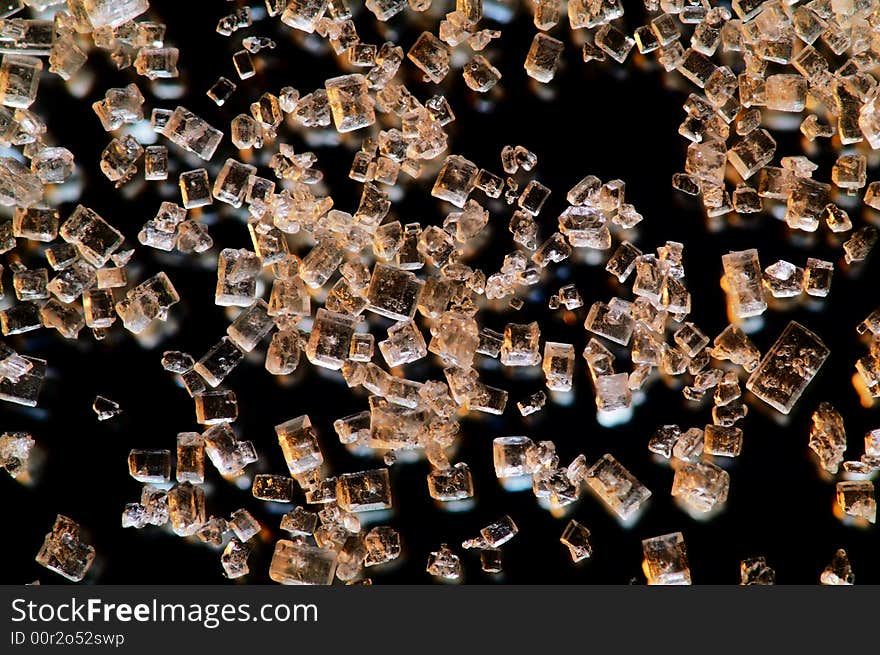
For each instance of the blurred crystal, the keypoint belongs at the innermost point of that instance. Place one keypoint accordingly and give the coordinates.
(839, 571)
(701, 485)
(856, 498)
(754, 571)
(298, 563)
(859, 245)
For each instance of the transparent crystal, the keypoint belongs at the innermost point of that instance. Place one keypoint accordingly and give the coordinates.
(788, 367)
(700, 485)
(616, 487)
(666, 560)
(64, 551)
(828, 437)
(298, 563)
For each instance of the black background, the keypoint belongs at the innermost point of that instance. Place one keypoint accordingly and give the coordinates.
(603, 119)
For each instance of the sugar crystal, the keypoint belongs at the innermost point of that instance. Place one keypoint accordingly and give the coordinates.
(64, 552)
(616, 487)
(666, 560)
(828, 437)
(839, 571)
(855, 498)
(788, 367)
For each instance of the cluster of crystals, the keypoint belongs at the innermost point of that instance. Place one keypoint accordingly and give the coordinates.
(855, 497)
(520, 462)
(89, 265)
(76, 289)
(870, 459)
(332, 544)
(699, 483)
(488, 543)
(809, 60)
(363, 263)
(324, 546)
